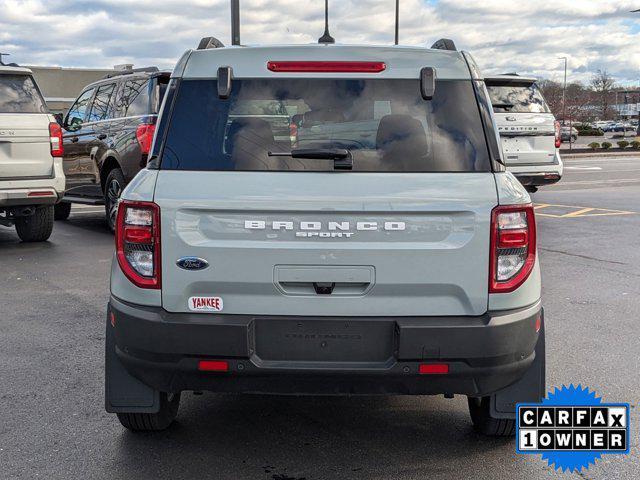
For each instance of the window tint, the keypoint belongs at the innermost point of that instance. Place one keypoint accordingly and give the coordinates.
(517, 98)
(101, 108)
(19, 94)
(385, 124)
(78, 110)
(134, 98)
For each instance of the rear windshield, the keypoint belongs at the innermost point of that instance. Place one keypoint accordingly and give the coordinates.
(384, 125)
(19, 94)
(515, 98)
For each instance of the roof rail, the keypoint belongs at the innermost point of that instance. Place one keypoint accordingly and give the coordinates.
(209, 42)
(445, 44)
(129, 71)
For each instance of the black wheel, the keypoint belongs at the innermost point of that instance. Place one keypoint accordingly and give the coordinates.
(484, 423)
(36, 227)
(153, 422)
(62, 211)
(112, 189)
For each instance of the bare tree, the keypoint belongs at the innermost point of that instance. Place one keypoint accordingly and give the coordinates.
(602, 84)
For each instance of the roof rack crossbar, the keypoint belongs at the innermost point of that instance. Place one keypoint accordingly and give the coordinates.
(132, 70)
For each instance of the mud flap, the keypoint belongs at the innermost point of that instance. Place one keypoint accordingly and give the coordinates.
(123, 392)
(530, 388)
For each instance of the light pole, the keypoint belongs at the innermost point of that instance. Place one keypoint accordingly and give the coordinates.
(397, 21)
(564, 91)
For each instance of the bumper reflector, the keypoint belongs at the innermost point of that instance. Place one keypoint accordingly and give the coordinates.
(213, 366)
(433, 368)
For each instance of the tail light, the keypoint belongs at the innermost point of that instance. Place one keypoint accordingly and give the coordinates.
(558, 135)
(144, 134)
(513, 247)
(55, 140)
(138, 242)
(293, 133)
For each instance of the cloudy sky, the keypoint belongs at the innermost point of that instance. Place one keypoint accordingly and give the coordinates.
(503, 35)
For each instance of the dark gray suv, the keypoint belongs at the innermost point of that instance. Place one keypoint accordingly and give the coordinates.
(107, 136)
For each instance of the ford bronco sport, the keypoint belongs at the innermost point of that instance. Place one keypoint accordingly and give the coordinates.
(31, 176)
(380, 248)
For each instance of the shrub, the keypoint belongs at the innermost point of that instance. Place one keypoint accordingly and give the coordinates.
(623, 144)
(635, 145)
(606, 145)
(594, 145)
(590, 132)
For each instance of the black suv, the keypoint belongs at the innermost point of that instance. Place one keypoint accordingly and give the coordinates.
(107, 136)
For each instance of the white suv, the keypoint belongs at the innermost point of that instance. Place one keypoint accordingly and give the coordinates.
(31, 176)
(529, 132)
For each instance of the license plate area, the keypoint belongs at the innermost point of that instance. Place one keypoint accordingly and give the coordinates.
(321, 342)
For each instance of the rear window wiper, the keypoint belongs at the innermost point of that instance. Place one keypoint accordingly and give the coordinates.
(342, 158)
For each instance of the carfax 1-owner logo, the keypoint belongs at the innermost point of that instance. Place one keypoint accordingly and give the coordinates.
(572, 428)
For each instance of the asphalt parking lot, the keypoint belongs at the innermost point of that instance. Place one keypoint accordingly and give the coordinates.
(52, 315)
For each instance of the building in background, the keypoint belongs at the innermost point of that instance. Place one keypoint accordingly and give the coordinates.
(60, 86)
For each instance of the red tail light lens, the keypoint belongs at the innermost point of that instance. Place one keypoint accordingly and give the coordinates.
(558, 135)
(55, 140)
(138, 242)
(144, 134)
(513, 247)
(327, 67)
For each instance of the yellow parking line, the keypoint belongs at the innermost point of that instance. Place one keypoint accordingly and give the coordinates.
(577, 213)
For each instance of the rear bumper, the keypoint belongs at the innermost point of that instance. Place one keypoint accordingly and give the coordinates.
(540, 173)
(324, 355)
(30, 191)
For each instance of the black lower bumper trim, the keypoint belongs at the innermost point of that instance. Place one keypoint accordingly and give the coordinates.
(324, 355)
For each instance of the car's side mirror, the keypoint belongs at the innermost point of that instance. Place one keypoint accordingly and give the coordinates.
(73, 124)
(427, 82)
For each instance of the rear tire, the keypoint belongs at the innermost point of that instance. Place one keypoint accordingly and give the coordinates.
(112, 189)
(36, 227)
(153, 422)
(62, 211)
(484, 423)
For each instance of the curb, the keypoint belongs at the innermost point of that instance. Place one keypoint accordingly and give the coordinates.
(601, 153)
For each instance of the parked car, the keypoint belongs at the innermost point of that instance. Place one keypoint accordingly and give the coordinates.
(529, 133)
(107, 137)
(31, 175)
(402, 264)
(568, 134)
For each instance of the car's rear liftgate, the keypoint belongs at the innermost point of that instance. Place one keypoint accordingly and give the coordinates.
(326, 257)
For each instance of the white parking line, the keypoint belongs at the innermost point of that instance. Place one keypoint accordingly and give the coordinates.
(579, 167)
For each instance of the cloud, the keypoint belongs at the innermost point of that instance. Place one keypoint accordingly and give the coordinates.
(527, 37)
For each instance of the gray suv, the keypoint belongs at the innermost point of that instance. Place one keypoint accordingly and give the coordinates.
(380, 248)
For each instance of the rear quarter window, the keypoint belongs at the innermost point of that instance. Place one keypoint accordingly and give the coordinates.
(134, 98)
(517, 98)
(19, 94)
(385, 124)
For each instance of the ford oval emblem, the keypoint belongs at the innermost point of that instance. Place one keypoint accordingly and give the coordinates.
(192, 263)
(511, 119)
